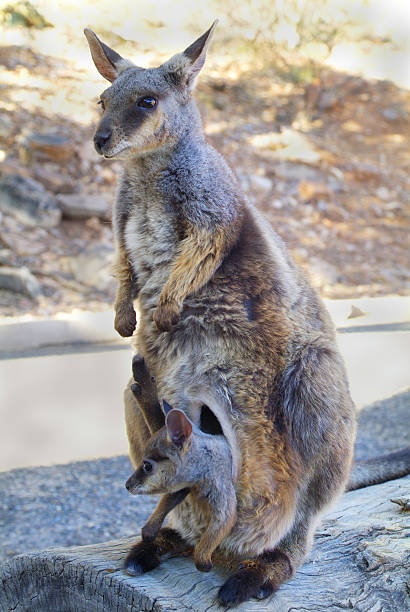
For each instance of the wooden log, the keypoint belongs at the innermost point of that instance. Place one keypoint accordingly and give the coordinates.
(360, 561)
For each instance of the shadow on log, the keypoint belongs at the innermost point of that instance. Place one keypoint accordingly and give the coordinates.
(358, 562)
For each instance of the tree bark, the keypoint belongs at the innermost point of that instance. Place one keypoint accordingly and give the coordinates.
(360, 561)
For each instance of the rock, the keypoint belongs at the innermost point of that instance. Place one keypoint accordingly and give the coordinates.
(328, 100)
(19, 280)
(309, 190)
(292, 171)
(256, 184)
(289, 144)
(322, 273)
(28, 201)
(83, 206)
(355, 312)
(383, 193)
(6, 126)
(25, 243)
(88, 155)
(12, 56)
(278, 204)
(393, 206)
(53, 180)
(395, 113)
(5, 256)
(93, 267)
(13, 166)
(363, 172)
(48, 146)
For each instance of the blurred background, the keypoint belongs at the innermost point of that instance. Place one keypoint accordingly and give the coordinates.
(309, 102)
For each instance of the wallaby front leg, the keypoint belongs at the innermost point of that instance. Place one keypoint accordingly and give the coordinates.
(200, 254)
(167, 503)
(125, 317)
(145, 556)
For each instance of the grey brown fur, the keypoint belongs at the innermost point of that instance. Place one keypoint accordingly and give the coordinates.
(180, 458)
(226, 320)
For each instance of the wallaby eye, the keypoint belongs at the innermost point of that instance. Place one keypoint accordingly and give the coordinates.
(147, 467)
(147, 102)
(102, 104)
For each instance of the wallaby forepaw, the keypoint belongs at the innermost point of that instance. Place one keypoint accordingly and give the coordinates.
(203, 565)
(149, 532)
(125, 322)
(166, 315)
(142, 558)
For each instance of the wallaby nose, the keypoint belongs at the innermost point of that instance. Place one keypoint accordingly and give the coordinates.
(101, 139)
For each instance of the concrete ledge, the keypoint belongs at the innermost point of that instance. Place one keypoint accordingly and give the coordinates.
(24, 335)
(27, 334)
(359, 562)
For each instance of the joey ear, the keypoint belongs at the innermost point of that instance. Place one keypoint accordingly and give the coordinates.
(179, 427)
(107, 61)
(166, 407)
(185, 66)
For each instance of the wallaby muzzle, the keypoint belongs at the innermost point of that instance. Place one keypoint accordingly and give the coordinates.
(102, 136)
(134, 482)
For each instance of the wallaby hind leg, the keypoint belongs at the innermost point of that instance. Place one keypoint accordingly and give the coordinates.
(210, 540)
(145, 392)
(143, 414)
(167, 503)
(146, 556)
(125, 317)
(262, 576)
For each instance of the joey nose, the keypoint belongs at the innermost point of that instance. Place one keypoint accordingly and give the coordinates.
(101, 139)
(130, 483)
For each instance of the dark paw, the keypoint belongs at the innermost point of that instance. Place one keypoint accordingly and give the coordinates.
(166, 316)
(149, 532)
(125, 322)
(142, 558)
(136, 389)
(203, 566)
(139, 369)
(243, 585)
(265, 591)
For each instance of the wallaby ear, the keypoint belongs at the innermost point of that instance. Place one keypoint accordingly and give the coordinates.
(107, 61)
(179, 427)
(185, 66)
(166, 407)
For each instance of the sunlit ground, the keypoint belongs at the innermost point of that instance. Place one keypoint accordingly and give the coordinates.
(308, 101)
(373, 38)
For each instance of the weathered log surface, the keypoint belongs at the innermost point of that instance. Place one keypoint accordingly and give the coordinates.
(360, 561)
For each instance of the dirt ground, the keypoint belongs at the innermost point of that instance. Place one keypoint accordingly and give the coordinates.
(326, 158)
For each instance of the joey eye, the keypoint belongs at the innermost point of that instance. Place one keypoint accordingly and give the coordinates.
(148, 102)
(147, 467)
(101, 102)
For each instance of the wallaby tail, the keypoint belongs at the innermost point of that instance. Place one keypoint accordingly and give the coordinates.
(379, 469)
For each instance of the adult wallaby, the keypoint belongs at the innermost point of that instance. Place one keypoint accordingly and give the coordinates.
(180, 459)
(247, 339)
